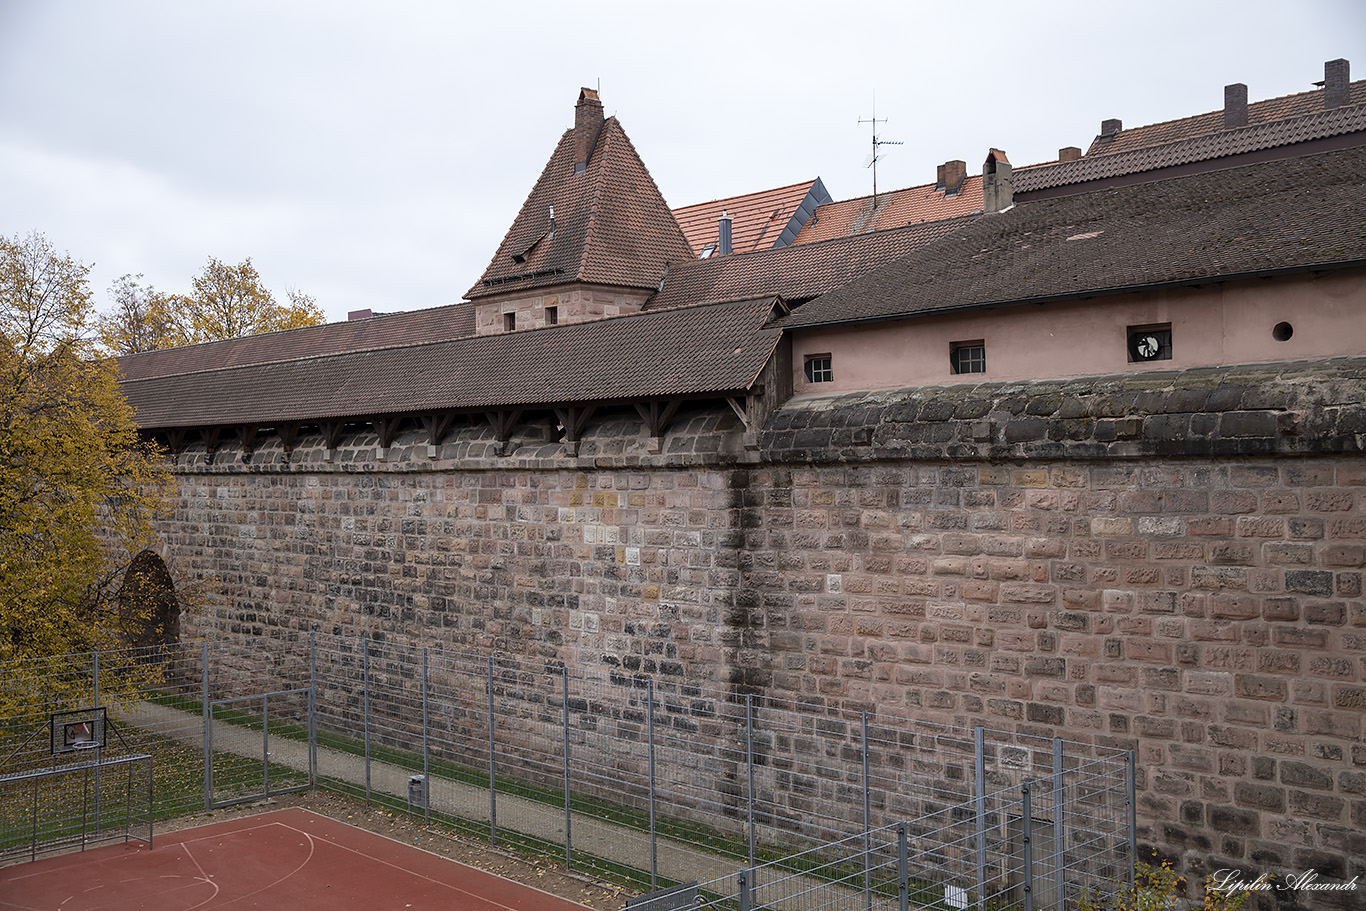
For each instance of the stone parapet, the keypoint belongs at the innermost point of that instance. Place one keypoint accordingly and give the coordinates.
(1279, 409)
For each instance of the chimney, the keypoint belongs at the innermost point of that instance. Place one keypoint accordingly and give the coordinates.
(1070, 153)
(1235, 106)
(955, 172)
(1337, 84)
(997, 192)
(587, 125)
(1110, 127)
(939, 178)
(723, 234)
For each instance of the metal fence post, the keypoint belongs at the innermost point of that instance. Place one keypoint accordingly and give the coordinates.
(208, 724)
(650, 727)
(365, 711)
(568, 815)
(867, 824)
(1059, 822)
(749, 762)
(903, 879)
(1131, 798)
(265, 743)
(95, 674)
(742, 888)
(1027, 831)
(493, 784)
(426, 744)
(979, 753)
(312, 709)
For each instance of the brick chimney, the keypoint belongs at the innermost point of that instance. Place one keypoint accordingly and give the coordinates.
(955, 172)
(1337, 83)
(1070, 153)
(1111, 127)
(587, 125)
(1235, 106)
(997, 192)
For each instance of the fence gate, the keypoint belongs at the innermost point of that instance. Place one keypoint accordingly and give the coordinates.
(258, 746)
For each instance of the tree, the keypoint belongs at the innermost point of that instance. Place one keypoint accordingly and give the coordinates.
(227, 302)
(136, 323)
(78, 488)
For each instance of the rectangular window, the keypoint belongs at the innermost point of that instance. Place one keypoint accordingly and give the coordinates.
(552, 315)
(968, 357)
(1150, 343)
(818, 369)
(509, 322)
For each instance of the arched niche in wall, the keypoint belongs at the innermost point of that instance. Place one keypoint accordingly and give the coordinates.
(149, 611)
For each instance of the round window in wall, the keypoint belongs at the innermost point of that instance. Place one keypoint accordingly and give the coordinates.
(1281, 332)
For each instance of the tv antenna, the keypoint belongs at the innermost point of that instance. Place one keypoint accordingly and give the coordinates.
(876, 155)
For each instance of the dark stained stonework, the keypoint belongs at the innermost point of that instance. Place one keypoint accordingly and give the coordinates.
(1278, 409)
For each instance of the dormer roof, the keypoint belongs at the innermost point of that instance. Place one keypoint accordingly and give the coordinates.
(599, 221)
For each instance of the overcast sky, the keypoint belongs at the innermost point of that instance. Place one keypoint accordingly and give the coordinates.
(373, 154)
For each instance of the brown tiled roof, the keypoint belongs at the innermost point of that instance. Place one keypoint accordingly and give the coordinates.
(692, 351)
(612, 226)
(794, 273)
(895, 209)
(757, 219)
(1299, 212)
(411, 327)
(1260, 112)
(1258, 137)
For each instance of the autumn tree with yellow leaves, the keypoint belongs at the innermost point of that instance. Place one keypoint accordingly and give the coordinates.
(78, 488)
(227, 302)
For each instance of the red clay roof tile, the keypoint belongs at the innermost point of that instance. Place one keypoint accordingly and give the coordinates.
(895, 209)
(757, 219)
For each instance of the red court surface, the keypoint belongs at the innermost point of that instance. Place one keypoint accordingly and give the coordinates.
(289, 859)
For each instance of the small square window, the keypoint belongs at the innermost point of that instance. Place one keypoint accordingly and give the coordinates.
(968, 357)
(509, 322)
(818, 369)
(552, 315)
(1150, 343)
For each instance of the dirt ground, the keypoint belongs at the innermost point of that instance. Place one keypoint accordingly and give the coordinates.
(549, 875)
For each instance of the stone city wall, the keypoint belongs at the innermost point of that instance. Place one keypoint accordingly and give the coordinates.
(1166, 563)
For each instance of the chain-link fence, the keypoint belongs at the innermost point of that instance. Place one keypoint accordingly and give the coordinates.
(628, 777)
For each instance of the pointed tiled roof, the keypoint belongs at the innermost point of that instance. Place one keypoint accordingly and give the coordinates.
(895, 209)
(758, 220)
(1261, 112)
(611, 224)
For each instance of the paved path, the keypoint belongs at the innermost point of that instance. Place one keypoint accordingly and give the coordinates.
(600, 838)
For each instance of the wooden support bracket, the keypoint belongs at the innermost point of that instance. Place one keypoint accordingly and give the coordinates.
(573, 419)
(657, 415)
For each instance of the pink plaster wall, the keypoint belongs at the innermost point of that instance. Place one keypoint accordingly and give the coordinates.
(1211, 325)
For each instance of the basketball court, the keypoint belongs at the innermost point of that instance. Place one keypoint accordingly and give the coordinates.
(284, 859)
